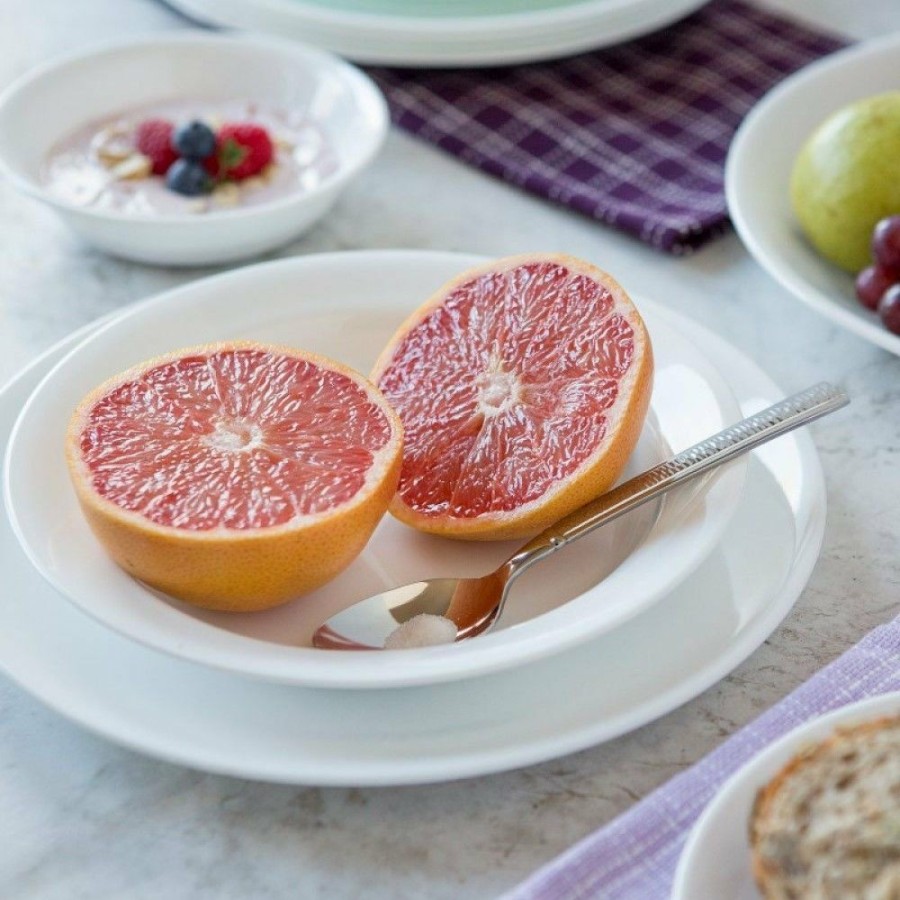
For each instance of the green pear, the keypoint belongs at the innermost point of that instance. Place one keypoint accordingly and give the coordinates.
(847, 177)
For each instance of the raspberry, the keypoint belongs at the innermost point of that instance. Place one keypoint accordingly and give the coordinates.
(211, 164)
(153, 138)
(242, 150)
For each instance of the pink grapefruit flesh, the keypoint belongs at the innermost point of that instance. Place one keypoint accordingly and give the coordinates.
(235, 476)
(522, 386)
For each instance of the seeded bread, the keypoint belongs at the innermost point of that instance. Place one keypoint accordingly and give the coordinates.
(827, 826)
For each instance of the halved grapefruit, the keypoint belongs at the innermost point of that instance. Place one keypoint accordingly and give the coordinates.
(522, 386)
(234, 476)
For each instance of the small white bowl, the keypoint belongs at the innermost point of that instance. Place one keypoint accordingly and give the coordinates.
(44, 106)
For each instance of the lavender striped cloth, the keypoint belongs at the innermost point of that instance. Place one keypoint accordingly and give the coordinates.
(634, 857)
(634, 135)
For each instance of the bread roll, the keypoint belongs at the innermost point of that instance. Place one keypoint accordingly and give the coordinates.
(827, 826)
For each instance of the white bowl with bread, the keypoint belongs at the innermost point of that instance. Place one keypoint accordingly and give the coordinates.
(816, 815)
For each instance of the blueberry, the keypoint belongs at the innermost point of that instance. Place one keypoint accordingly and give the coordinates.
(194, 140)
(189, 178)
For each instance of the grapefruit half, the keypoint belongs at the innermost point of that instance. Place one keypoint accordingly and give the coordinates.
(522, 386)
(234, 476)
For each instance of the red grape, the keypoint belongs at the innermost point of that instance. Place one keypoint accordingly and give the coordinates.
(871, 284)
(889, 309)
(886, 243)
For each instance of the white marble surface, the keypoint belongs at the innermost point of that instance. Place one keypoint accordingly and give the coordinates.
(83, 818)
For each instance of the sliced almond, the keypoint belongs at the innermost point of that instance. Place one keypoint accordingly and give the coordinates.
(226, 194)
(136, 166)
(112, 145)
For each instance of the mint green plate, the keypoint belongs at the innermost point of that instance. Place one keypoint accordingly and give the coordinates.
(438, 8)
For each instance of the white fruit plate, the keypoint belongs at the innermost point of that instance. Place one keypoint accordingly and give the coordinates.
(758, 172)
(716, 859)
(346, 306)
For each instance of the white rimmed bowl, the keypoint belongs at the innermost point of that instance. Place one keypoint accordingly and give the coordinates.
(345, 306)
(758, 172)
(716, 860)
(44, 106)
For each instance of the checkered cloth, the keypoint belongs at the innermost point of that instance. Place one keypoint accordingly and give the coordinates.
(635, 856)
(634, 135)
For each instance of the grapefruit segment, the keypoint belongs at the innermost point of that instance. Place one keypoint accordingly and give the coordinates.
(234, 476)
(522, 386)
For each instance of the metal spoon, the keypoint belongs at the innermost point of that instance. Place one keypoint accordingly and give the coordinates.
(474, 604)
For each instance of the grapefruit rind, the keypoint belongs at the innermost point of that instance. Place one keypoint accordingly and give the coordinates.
(230, 569)
(598, 473)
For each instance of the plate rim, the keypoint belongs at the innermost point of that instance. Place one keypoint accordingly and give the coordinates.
(411, 41)
(741, 149)
(415, 669)
(574, 12)
(665, 701)
(763, 766)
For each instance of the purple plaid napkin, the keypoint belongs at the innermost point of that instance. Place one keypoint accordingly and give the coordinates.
(634, 135)
(634, 857)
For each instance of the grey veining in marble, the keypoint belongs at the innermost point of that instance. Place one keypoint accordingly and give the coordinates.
(82, 818)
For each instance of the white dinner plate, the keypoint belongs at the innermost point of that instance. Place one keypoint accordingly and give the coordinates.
(346, 306)
(248, 728)
(446, 37)
(715, 861)
(758, 171)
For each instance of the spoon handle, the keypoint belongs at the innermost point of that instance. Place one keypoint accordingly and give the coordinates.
(790, 413)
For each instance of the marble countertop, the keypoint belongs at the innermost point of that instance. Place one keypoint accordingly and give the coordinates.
(84, 818)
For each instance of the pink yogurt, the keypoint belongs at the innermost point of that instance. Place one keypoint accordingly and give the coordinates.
(74, 170)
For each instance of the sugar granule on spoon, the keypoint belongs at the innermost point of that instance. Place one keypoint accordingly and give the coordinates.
(423, 630)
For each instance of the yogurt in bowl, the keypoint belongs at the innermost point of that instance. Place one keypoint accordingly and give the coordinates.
(67, 139)
(101, 165)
